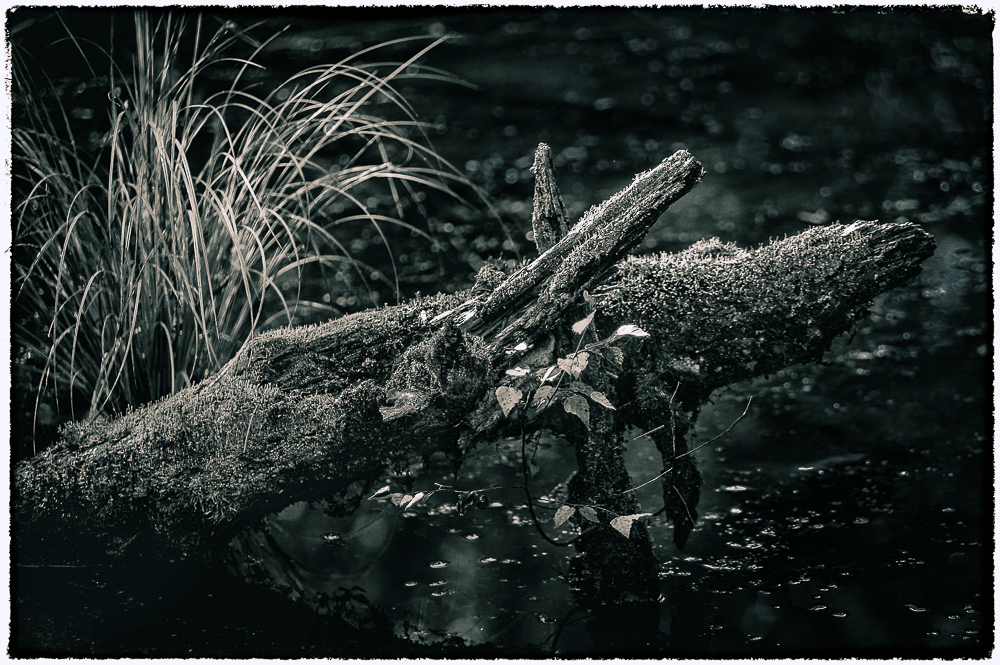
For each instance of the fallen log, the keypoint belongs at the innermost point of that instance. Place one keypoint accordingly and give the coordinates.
(303, 412)
(719, 314)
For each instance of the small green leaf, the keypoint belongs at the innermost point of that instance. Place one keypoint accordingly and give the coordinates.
(549, 374)
(380, 492)
(589, 514)
(579, 407)
(623, 524)
(406, 498)
(543, 395)
(614, 355)
(563, 514)
(518, 371)
(599, 397)
(582, 324)
(508, 398)
(416, 497)
(634, 331)
(574, 364)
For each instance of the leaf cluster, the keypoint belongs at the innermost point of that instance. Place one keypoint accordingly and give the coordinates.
(621, 523)
(535, 390)
(466, 499)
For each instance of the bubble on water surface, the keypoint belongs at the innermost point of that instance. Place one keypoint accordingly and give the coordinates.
(545, 618)
(817, 608)
(440, 564)
(438, 583)
(472, 536)
(840, 615)
(487, 559)
(411, 583)
(915, 608)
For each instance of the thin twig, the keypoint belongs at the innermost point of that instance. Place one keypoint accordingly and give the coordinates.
(651, 480)
(527, 492)
(728, 429)
(688, 510)
(677, 457)
(246, 439)
(669, 405)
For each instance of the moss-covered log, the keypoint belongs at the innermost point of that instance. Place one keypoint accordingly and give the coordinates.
(719, 314)
(302, 411)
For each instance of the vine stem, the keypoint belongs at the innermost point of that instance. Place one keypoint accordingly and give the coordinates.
(696, 448)
(527, 491)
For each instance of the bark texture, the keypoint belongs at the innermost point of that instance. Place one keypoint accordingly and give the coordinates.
(301, 412)
(549, 221)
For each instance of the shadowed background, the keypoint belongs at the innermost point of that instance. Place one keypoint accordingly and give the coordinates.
(848, 513)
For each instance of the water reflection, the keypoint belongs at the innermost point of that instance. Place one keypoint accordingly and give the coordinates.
(808, 541)
(808, 553)
(332, 546)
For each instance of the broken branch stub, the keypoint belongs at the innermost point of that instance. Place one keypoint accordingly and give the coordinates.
(538, 293)
(549, 221)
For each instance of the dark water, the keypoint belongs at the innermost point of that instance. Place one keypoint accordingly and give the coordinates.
(849, 514)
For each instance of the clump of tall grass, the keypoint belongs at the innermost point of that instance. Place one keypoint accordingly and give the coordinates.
(141, 269)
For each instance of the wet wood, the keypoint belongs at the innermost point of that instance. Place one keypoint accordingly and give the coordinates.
(302, 412)
(549, 221)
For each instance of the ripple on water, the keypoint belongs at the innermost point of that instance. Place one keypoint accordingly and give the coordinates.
(674, 572)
